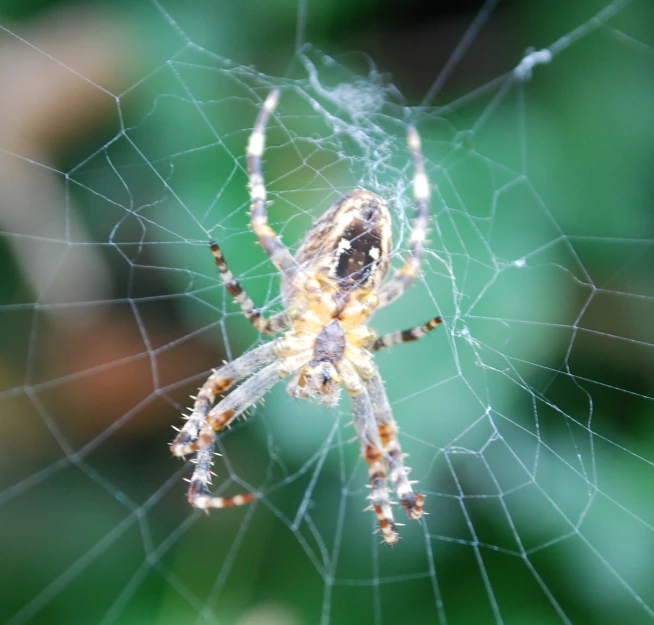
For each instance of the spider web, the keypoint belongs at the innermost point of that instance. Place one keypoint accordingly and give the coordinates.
(527, 415)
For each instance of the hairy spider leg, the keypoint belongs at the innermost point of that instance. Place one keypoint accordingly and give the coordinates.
(279, 254)
(219, 381)
(272, 325)
(199, 495)
(372, 451)
(231, 406)
(404, 276)
(405, 336)
(412, 502)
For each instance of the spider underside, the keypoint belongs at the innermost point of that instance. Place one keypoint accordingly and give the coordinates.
(330, 288)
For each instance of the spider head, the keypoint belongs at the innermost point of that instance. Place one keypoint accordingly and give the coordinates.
(319, 379)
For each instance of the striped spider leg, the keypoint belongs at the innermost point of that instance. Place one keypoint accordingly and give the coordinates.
(198, 434)
(372, 449)
(422, 194)
(412, 502)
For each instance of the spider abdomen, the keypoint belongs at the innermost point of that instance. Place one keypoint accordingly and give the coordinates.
(349, 245)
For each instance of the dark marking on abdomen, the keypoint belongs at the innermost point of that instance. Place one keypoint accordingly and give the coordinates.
(357, 260)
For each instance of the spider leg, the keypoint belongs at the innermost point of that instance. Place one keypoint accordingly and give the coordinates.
(199, 495)
(219, 417)
(271, 243)
(219, 381)
(238, 401)
(372, 451)
(413, 502)
(230, 407)
(272, 325)
(404, 336)
(404, 276)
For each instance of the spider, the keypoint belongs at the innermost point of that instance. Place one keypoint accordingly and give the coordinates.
(330, 289)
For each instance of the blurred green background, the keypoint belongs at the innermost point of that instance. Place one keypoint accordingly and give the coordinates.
(528, 415)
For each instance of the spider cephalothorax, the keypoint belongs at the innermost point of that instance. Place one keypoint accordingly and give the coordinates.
(332, 285)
